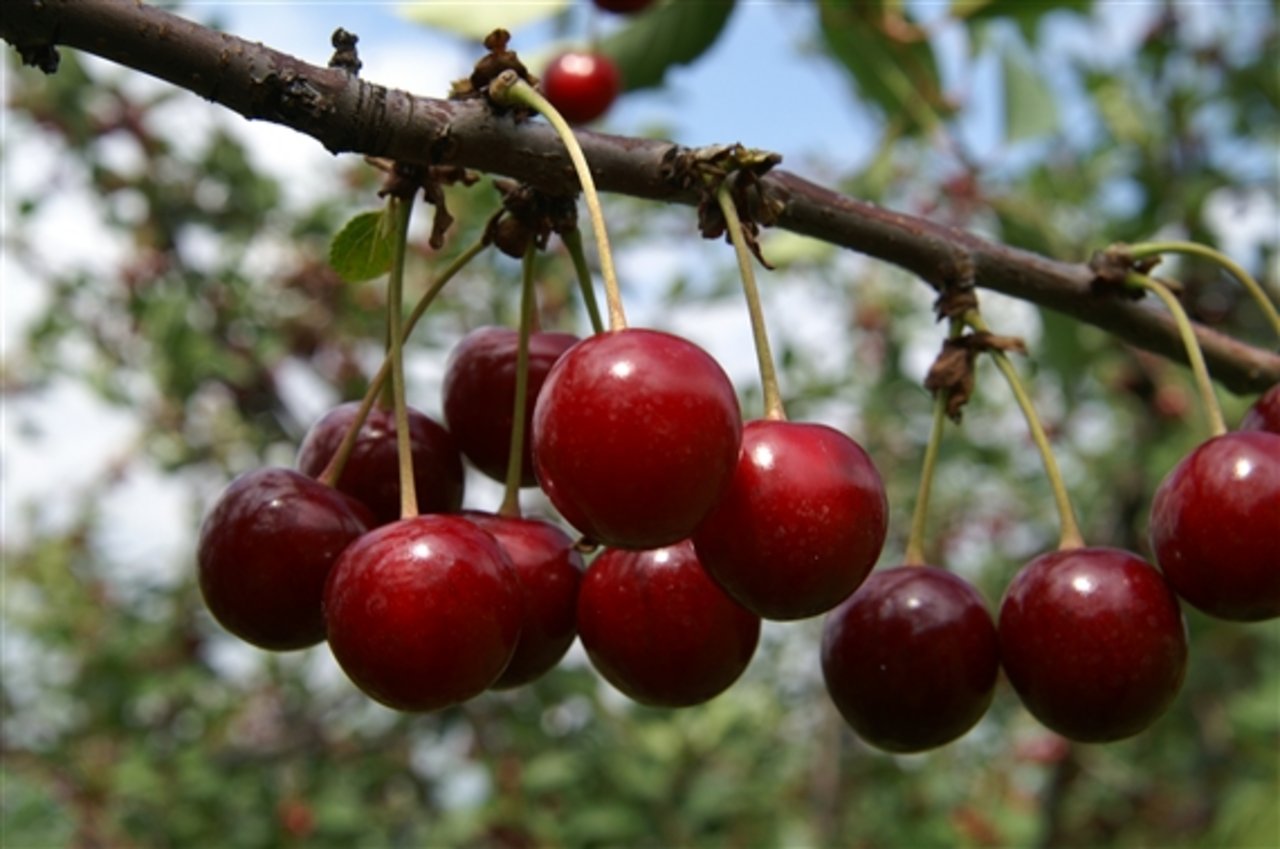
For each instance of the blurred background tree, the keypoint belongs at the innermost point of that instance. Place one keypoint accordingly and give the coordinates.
(171, 321)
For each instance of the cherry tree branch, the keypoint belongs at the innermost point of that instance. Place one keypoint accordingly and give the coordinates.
(347, 114)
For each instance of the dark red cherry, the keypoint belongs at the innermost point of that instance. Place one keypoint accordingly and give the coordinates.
(550, 571)
(801, 524)
(635, 437)
(1265, 412)
(581, 85)
(1093, 641)
(1215, 526)
(423, 613)
(265, 550)
(657, 628)
(911, 658)
(623, 7)
(479, 394)
(372, 472)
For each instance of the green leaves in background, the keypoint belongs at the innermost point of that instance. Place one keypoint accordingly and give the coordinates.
(1030, 107)
(362, 249)
(673, 33)
(1025, 13)
(476, 20)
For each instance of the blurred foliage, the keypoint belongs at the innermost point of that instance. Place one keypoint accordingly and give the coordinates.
(132, 720)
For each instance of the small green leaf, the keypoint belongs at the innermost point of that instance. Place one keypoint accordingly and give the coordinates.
(476, 20)
(670, 34)
(1030, 109)
(362, 249)
(1026, 15)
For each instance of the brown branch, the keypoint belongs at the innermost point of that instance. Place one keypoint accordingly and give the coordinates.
(347, 114)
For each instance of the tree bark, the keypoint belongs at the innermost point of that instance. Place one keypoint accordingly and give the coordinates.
(347, 114)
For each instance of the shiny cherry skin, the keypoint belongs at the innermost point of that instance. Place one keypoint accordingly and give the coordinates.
(479, 394)
(1265, 412)
(423, 613)
(549, 569)
(659, 629)
(581, 85)
(1215, 526)
(264, 553)
(635, 437)
(801, 524)
(372, 472)
(1093, 641)
(911, 658)
(623, 7)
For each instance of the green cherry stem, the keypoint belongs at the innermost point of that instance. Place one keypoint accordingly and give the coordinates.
(1195, 357)
(1069, 535)
(515, 459)
(573, 241)
(509, 89)
(333, 470)
(400, 208)
(773, 407)
(914, 555)
(1148, 249)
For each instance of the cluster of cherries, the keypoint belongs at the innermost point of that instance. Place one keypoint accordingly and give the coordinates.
(583, 84)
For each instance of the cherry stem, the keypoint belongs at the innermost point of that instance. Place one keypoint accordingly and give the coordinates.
(515, 460)
(573, 241)
(400, 209)
(1147, 249)
(509, 89)
(914, 555)
(333, 469)
(1195, 357)
(1069, 530)
(773, 407)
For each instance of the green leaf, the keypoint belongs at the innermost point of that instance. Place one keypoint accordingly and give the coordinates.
(363, 247)
(1025, 14)
(1030, 109)
(476, 20)
(670, 34)
(900, 76)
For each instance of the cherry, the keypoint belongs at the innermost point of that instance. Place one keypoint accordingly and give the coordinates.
(550, 571)
(657, 628)
(265, 550)
(801, 524)
(635, 437)
(581, 85)
(1215, 526)
(1265, 412)
(1093, 641)
(479, 394)
(911, 658)
(623, 7)
(423, 613)
(371, 473)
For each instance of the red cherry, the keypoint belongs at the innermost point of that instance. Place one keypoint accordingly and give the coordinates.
(581, 86)
(1215, 526)
(1265, 412)
(479, 394)
(801, 524)
(657, 628)
(623, 7)
(423, 613)
(635, 437)
(550, 571)
(265, 550)
(372, 472)
(911, 658)
(1094, 642)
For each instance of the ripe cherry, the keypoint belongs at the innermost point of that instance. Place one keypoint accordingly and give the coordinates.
(1215, 526)
(371, 473)
(1093, 641)
(479, 393)
(1265, 412)
(265, 550)
(911, 658)
(623, 7)
(635, 437)
(657, 628)
(423, 613)
(581, 85)
(549, 570)
(801, 524)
